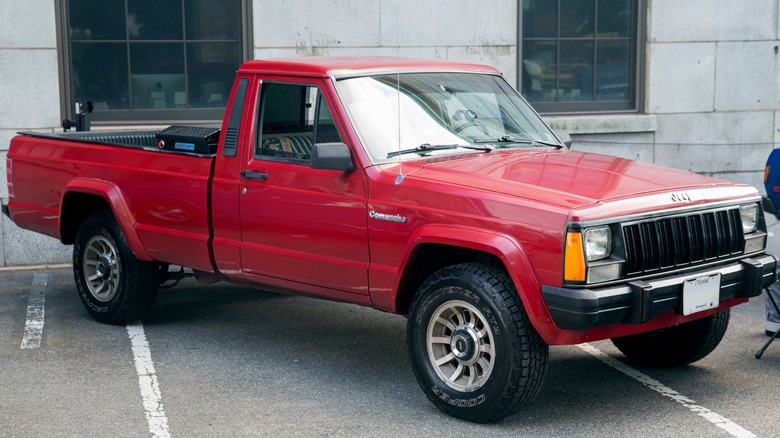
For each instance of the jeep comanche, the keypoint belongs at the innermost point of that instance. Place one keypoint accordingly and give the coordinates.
(425, 188)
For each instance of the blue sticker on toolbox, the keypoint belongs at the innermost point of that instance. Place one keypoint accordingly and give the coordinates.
(184, 146)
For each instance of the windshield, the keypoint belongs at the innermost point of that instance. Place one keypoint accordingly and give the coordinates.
(439, 113)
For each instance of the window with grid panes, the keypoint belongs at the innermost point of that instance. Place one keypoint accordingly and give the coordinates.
(580, 55)
(153, 60)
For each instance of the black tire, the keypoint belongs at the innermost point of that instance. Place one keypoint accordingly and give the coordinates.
(114, 286)
(678, 345)
(472, 314)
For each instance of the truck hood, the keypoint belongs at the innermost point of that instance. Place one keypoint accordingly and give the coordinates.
(572, 179)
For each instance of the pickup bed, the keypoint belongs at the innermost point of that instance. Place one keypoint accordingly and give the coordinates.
(429, 189)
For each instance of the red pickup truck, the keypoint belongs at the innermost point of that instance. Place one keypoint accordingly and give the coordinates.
(428, 189)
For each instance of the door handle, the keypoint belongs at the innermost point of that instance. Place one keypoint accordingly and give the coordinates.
(253, 175)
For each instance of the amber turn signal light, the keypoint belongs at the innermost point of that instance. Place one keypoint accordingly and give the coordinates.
(574, 258)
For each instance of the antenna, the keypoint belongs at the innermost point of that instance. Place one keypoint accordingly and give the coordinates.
(400, 176)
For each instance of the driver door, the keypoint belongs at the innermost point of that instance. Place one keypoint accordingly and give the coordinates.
(301, 228)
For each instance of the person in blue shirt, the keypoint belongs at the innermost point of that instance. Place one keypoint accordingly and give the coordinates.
(772, 323)
(771, 203)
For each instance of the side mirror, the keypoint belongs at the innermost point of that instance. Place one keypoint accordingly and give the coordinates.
(332, 156)
(565, 138)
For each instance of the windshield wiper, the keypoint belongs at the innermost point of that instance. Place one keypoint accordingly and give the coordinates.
(508, 139)
(427, 148)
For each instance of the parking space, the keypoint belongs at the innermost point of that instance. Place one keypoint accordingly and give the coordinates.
(222, 360)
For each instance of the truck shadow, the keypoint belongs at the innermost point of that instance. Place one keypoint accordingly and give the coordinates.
(277, 352)
(342, 349)
(328, 343)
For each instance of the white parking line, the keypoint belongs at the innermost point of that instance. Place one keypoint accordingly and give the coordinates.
(724, 423)
(147, 381)
(33, 327)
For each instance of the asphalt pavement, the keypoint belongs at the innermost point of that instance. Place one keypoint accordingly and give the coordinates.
(223, 361)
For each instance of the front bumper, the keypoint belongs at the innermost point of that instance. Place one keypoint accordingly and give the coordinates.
(638, 301)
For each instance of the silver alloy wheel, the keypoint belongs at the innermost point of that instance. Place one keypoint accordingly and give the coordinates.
(460, 344)
(101, 268)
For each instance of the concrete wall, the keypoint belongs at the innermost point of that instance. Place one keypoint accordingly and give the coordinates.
(712, 76)
(727, 92)
(713, 86)
(29, 100)
(446, 29)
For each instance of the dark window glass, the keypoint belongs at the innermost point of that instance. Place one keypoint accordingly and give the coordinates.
(100, 74)
(291, 117)
(326, 126)
(156, 75)
(211, 20)
(136, 58)
(154, 20)
(575, 78)
(577, 18)
(580, 55)
(208, 64)
(540, 19)
(615, 18)
(613, 72)
(97, 19)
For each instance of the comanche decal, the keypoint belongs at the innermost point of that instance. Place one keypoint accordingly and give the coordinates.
(397, 218)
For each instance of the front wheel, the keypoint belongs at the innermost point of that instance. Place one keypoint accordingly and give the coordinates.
(114, 286)
(473, 350)
(678, 345)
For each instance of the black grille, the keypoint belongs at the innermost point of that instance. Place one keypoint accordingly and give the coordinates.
(679, 241)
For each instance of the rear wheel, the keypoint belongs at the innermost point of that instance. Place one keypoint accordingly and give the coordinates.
(678, 345)
(474, 352)
(114, 286)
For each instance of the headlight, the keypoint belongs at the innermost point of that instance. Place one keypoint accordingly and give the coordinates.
(598, 243)
(586, 255)
(749, 215)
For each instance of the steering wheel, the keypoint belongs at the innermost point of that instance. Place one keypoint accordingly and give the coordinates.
(472, 123)
(471, 120)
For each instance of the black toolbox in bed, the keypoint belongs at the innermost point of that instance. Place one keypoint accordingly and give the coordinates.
(197, 139)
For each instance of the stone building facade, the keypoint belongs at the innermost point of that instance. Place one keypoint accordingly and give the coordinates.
(705, 74)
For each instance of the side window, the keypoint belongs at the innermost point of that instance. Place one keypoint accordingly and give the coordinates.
(326, 127)
(293, 118)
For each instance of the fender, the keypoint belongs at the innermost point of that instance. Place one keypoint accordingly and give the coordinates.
(506, 248)
(119, 206)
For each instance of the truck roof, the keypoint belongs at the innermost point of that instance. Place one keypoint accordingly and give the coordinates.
(332, 66)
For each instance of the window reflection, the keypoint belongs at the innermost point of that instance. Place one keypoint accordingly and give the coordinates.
(97, 19)
(154, 20)
(578, 51)
(213, 20)
(294, 118)
(100, 72)
(209, 64)
(153, 55)
(392, 113)
(156, 74)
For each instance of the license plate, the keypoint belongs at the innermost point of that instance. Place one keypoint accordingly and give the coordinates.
(701, 294)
